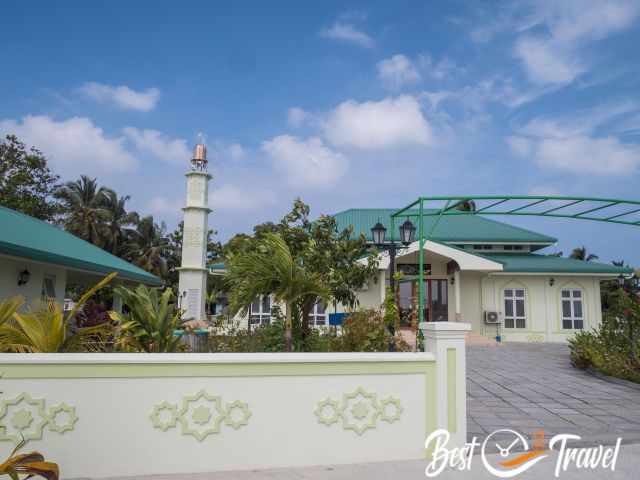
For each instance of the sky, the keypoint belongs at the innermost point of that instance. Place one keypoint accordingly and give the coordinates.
(344, 104)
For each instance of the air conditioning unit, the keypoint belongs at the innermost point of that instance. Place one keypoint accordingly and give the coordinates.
(492, 317)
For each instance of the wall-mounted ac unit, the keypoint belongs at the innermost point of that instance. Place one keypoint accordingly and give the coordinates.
(492, 317)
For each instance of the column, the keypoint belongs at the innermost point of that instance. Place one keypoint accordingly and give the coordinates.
(456, 286)
(446, 341)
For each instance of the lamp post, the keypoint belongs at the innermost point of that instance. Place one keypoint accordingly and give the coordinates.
(407, 236)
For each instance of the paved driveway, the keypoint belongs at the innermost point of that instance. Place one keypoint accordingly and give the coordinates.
(531, 386)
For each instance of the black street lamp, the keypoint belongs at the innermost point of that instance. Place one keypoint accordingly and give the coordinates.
(407, 236)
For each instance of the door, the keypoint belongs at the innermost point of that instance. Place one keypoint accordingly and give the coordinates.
(437, 300)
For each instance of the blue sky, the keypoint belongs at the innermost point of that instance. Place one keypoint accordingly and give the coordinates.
(346, 104)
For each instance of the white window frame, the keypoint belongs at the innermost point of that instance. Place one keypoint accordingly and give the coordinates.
(572, 299)
(45, 294)
(260, 317)
(318, 319)
(513, 299)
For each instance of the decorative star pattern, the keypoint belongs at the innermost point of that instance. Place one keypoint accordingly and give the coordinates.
(159, 417)
(200, 415)
(62, 410)
(24, 417)
(359, 410)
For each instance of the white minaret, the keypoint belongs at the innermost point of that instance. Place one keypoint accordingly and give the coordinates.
(193, 271)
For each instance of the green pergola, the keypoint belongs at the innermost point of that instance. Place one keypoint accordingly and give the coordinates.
(608, 210)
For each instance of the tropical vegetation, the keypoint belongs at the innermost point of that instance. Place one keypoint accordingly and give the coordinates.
(46, 328)
(151, 321)
(31, 464)
(613, 348)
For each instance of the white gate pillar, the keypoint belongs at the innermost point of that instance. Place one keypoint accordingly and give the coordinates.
(445, 340)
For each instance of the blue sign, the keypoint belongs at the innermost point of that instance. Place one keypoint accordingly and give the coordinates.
(336, 318)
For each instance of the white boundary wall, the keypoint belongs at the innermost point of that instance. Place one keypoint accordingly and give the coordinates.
(102, 415)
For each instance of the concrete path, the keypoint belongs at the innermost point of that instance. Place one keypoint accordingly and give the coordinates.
(531, 386)
(625, 469)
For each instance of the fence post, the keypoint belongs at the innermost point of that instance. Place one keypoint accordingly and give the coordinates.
(446, 341)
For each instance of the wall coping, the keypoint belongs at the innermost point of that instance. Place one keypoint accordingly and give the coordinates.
(210, 358)
(445, 326)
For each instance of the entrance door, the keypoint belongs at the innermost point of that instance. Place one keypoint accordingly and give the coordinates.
(437, 300)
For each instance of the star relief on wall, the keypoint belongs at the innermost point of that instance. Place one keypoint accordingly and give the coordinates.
(200, 415)
(359, 410)
(25, 418)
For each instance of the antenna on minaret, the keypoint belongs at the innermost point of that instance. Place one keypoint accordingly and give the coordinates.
(199, 161)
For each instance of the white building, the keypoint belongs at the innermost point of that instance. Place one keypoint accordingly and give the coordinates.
(476, 269)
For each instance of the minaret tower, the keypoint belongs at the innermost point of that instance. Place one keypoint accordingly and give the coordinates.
(193, 270)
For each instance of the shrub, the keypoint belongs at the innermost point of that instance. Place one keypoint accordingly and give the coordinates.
(92, 314)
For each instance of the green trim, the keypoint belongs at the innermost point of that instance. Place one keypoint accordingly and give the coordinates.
(385, 415)
(161, 370)
(452, 400)
(328, 418)
(201, 417)
(165, 425)
(243, 408)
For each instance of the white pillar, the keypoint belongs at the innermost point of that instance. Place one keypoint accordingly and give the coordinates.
(445, 340)
(456, 282)
(193, 270)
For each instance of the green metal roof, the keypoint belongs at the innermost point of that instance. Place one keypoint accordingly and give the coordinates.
(217, 266)
(535, 263)
(455, 228)
(28, 237)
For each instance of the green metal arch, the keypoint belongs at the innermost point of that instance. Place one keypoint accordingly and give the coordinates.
(611, 210)
(498, 205)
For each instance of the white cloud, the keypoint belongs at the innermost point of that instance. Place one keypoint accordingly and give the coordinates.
(171, 150)
(587, 155)
(397, 71)
(571, 144)
(349, 33)
(390, 122)
(164, 206)
(306, 162)
(122, 96)
(570, 25)
(74, 146)
(240, 199)
(438, 70)
(296, 117)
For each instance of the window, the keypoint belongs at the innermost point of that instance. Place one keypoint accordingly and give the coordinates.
(514, 308)
(572, 311)
(260, 311)
(318, 314)
(49, 288)
(483, 247)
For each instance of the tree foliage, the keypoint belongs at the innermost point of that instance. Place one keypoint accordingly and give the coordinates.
(27, 184)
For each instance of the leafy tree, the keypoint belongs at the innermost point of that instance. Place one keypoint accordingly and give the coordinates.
(84, 205)
(580, 253)
(26, 182)
(272, 268)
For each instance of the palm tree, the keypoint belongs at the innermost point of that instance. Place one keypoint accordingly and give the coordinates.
(580, 253)
(119, 222)
(149, 246)
(84, 202)
(271, 269)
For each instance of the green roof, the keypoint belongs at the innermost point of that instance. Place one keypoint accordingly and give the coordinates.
(535, 263)
(27, 237)
(458, 228)
(217, 266)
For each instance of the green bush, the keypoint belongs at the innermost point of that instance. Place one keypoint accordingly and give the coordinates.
(613, 347)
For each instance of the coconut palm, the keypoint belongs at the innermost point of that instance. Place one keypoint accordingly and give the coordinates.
(149, 246)
(8, 308)
(580, 253)
(271, 269)
(46, 328)
(119, 224)
(84, 202)
(151, 322)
